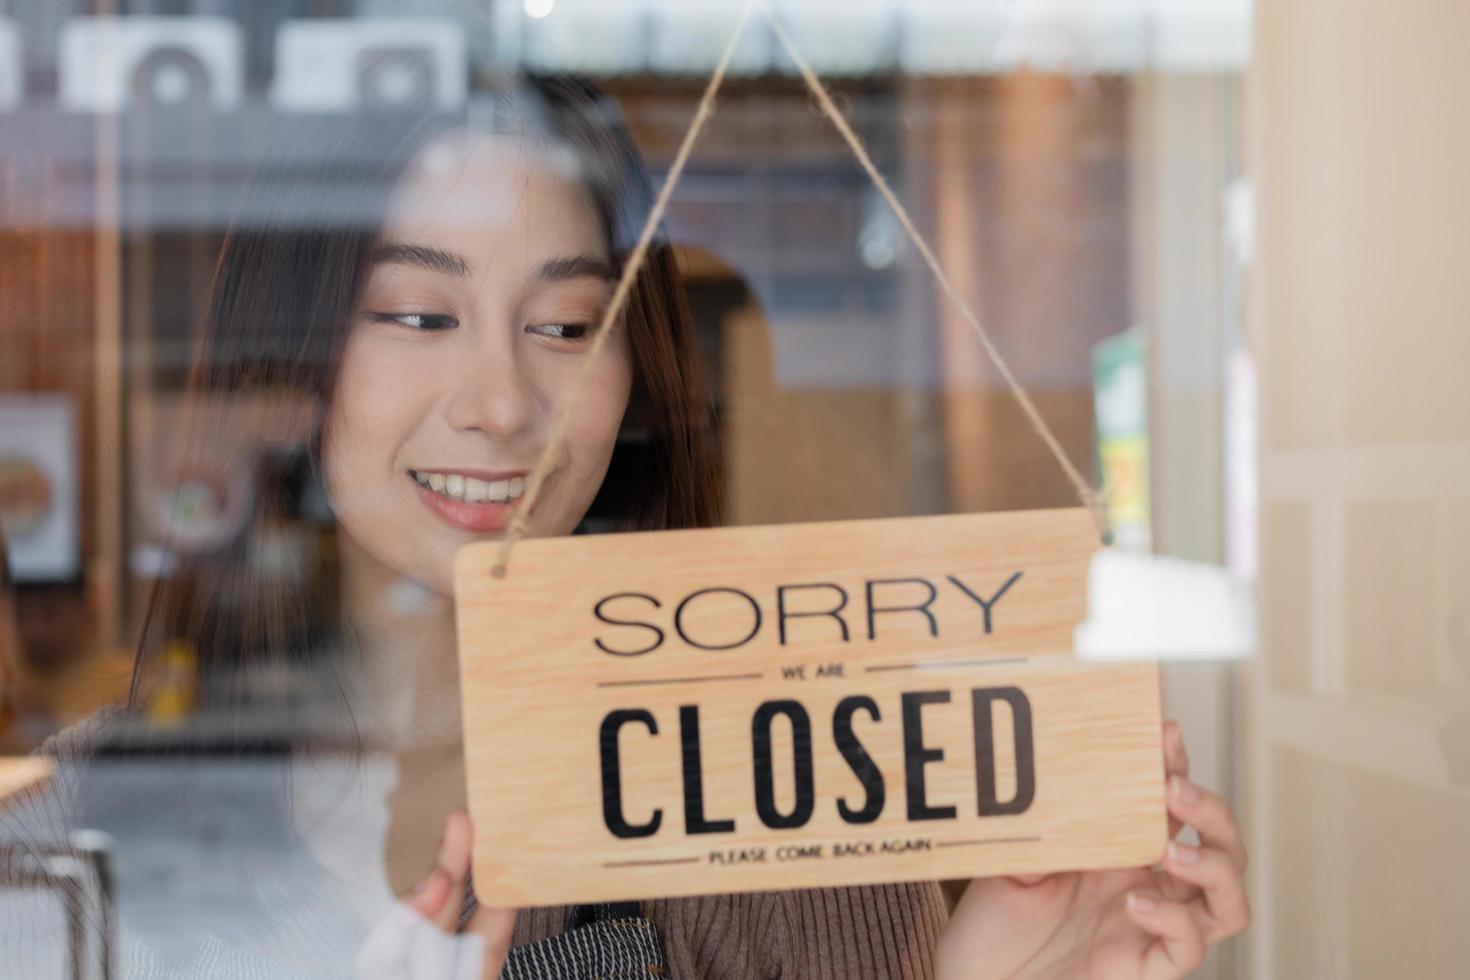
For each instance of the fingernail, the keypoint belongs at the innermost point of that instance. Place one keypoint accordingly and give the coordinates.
(1184, 790)
(1183, 853)
(425, 884)
(1140, 903)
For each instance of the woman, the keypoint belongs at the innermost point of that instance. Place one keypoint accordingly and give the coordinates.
(438, 340)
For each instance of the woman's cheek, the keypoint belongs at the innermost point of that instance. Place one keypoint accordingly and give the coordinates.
(377, 380)
(608, 398)
(372, 407)
(593, 436)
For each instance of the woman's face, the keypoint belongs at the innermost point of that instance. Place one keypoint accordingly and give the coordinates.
(485, 290)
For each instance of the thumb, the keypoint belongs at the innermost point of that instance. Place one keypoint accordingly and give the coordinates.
(428, 896)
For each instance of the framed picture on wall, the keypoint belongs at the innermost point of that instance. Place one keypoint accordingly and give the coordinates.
(39, 499)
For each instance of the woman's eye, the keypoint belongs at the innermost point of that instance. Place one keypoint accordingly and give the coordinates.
(418, 321)
(561, 331)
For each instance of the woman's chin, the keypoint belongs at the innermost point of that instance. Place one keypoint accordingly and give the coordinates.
(421, 594)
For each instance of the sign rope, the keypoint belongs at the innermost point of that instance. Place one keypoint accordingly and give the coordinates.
(520, 525)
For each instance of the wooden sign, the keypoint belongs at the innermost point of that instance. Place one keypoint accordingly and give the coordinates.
(712, 711)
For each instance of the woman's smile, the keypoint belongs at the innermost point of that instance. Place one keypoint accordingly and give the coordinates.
(465, 345)
(480, 501)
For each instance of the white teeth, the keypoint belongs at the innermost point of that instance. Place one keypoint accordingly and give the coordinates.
(476, 491)
(457, 486)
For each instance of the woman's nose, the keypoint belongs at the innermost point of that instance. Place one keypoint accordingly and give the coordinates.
(492, 391)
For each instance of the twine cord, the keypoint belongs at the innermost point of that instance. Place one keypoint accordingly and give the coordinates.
(1085, 492)
(520, 525)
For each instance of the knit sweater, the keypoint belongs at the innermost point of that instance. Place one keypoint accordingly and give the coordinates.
(816, 934)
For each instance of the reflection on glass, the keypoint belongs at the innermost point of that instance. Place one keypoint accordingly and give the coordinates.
(292, 293)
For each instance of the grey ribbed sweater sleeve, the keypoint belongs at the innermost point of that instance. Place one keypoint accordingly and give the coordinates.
(878, 932)
(33, 823)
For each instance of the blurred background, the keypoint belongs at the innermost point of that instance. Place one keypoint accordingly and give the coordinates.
(1221, 244)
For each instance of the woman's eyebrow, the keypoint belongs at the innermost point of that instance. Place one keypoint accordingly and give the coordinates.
(423, 256)
(575, 267)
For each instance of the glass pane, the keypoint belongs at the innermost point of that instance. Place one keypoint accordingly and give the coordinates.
(295, 298)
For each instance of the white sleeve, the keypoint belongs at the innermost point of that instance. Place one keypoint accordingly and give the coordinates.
(403, 945)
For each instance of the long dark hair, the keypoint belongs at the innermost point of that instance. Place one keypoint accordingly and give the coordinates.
(276, 320)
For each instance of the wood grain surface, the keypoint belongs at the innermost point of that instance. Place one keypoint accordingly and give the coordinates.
(874, 701)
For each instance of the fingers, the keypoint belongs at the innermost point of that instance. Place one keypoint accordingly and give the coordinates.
(440, 896)
(429, 895)
(1227, 910)
(454, 864)
(496, 926)
(1176, 759)
(1180, 948)
(1209, 814)
(1176, 763)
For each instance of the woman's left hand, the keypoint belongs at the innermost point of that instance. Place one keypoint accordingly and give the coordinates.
(420, 938)
(1133, 923)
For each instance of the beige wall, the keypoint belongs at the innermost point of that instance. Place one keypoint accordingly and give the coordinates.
(1359, 737)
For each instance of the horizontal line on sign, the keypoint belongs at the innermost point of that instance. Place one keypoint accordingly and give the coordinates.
(935, 664)
(986, 840)
(682, 680)
(635, 864)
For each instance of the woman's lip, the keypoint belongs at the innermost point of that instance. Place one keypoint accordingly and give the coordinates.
(489, 476)
(479, 518)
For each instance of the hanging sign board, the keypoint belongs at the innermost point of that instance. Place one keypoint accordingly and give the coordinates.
(743, 709)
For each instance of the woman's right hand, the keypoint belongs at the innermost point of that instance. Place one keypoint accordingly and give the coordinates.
(418, 938)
